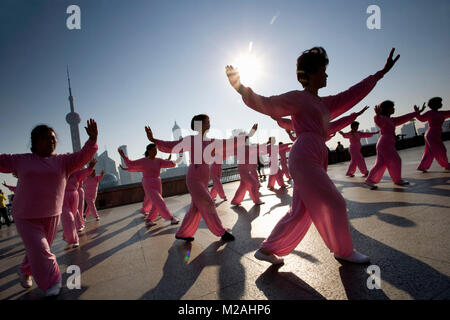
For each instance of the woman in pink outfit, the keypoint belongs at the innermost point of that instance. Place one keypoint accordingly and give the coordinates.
(90, 193)
(315, 198)
(283, 149)
(275, 174)
(80, 211)
(70, 220)
(216, 175)
(434, 147)
(387, 155)
(39, 199)
(247, 169)
(197, 179)
(357, 160)
(150, 166)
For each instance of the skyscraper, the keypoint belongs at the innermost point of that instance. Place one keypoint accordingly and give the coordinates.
(73, 119)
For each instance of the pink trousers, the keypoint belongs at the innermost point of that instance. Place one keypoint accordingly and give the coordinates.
(217, 188)
(434, 149)
(38, 236)
(315, 200)
(147, 204)
(68, 216)
(153, 190)
(278, 177)
(284, 169)
(202, 205)
(357, 161)
(81, 203)
(387, 157)
(90, 204)
(247, 183)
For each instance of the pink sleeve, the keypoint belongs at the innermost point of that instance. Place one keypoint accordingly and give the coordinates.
(83, 174)
(168, 146)
(285, 123)
(402, 119)
(166, 163)
(11, 188)
(365, 134)
(76, 160)
(446, 114)
(8, 163)
(422, 117)
(341, 123)
(344, 101)
(134, 166)
(347, 135)
(284, 147)
(274, 106)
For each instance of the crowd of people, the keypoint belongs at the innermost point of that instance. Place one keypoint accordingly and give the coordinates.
(50, 186)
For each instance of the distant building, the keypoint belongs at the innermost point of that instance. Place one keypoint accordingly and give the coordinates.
(108, 165)
(73, 119)
(421, 131)
(373, 139)
(408, 130)
(125, 176)
(176, 133)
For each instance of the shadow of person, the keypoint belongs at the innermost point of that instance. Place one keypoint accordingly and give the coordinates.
(285, 286)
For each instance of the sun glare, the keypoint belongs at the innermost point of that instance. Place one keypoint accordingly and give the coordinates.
(249, 67)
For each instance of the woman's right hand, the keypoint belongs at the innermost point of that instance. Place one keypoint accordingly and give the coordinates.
(149, 134)
(233, 77)
(377, 109)
(122, 154)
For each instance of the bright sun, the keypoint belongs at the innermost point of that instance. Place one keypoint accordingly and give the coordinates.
(249, 67)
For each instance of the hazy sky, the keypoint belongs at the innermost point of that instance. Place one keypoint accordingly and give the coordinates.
(142, 62)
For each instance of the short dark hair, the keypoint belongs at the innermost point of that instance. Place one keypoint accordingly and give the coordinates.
(199, 117)
(385, 106)
(149, 147)
(354, 124)
(309, 63)
(433, 103)
(37, 132)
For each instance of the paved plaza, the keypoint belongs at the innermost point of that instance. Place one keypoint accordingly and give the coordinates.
(405, 231)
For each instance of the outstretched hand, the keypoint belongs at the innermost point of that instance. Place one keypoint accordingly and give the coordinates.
(92, 163)
(253, 130)
(363, 110)
(233, 77)
(377, 109)
(170, 157)
(390, 62)
(91, 129)
(121, 167)
(416, 109)
(122, 154)
(4, 183)
(149, 134)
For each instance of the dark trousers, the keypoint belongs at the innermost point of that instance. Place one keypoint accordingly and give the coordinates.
(4, 214)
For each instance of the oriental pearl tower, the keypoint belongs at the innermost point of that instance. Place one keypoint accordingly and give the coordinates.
(73, 119)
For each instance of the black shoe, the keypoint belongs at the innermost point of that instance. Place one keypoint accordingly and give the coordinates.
(227, 237)
(188, 239)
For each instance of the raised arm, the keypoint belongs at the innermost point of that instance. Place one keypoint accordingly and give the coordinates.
(274, 106)
(11, 188)
(344, 101)
(9, 163)
(341, 123)
(180, 146)
(78, 159)
(403, 119)
(167, 163)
